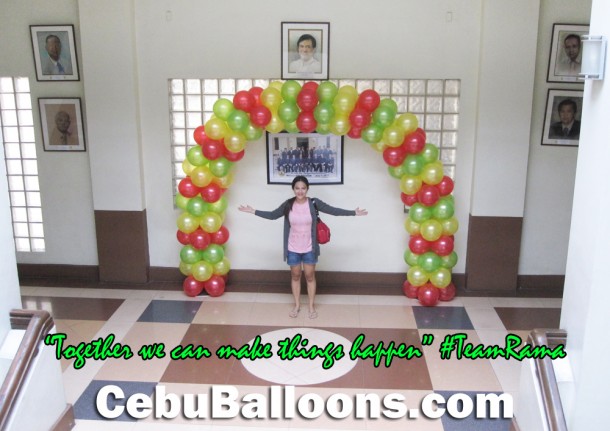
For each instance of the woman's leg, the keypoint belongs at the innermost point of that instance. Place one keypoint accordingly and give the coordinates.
(310, 277)
(295, 284)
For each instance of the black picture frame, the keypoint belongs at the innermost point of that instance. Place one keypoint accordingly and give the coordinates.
(317, 67)
(554, 131)
(65, 66)
(565, 40)
(316, 156)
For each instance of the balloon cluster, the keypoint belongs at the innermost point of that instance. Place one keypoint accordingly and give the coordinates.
(322, 108)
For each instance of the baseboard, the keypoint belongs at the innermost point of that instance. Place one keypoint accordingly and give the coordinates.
(79, 272)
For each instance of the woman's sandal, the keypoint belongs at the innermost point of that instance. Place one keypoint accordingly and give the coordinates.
(295, 312)
(313, 314)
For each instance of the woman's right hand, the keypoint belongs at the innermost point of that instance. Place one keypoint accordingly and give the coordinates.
(247, 209)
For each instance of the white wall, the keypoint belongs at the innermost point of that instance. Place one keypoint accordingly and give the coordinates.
(237, 38)
(551, 170)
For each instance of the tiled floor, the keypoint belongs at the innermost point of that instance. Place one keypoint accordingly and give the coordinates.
(140, 317)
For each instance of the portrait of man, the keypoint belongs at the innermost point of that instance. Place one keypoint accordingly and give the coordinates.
(62, 134)
(54, 61)
(54, 52)
(62, 124)
(568, 127)
(307, 62)
(570, 58)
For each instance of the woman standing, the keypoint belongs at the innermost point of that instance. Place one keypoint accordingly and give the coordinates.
(301, 248)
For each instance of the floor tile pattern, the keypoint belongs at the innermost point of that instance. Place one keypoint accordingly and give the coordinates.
(148, 318)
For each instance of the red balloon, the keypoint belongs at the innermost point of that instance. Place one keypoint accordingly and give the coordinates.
(215, 285)
(414, 143)
(360, 118)
(428, 295)
(212, 149)
(187, 188)
(199, 135)
(233, 157)
(448, 293)
(211, 193)
(421, 133)
(394, 156)
(306, 121)
(192, 287)
(310, 85)
(183, 237)
(408, 200)
(220, 236)
(368, 100)
(200, 239)
(428, 195)
(260, 115)
(244, 100)
(445, 187)
(355, 133)
(307, 100)
(443, 246)
(418, 245)
(256, 93)
(409, 290)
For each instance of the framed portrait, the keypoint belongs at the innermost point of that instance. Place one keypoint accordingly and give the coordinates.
(566, 52)
(318, 157)
(305, 50)
(562, 118)
(62, 124)
(54, 52)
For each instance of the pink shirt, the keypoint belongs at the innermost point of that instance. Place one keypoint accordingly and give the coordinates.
(299, 239)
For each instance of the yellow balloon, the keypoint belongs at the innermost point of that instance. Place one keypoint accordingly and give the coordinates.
(350, 90)
(187, 222)
(223, 267)
(187, 167)
(201, 176)
(277, 85)
(440, 278)
(340, 125)
(379, 146)
(224, 182)
(275, 125)
(431, 230)
(412, 227)
(409, 184)
(234, 141)
(344, 103)
(215, 128)
(450, 226)
(432, 173)
(202, 270)
(210, 222)
(407, 122)
(417, 276)
(271, 98)
(185, 268)
(393, 136)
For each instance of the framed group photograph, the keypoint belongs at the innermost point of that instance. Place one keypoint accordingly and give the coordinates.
(318, 157)
(54, 52)
(62, 124)
(305, 48)
(562, 118)
(566, 52)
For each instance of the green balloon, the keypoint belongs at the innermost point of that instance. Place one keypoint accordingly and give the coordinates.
(182, 201)
(397, 171)
(253, 133)
(420, 213)
(372, 134)
(413, 164)
(213, 254)
(189, 254)
(450, 260)
(290, 90)
(219, 206)
(411, 258)
(327, 91)
(220, 167)
(222, 108)
(443, 209)
(430, 153)
(389, 104)
(288, 111)
(429, 261)
(323, 129)
(324, 113)
(383, 116)
(196, 206)
(238, 121)
(292, 127)
(195, 156)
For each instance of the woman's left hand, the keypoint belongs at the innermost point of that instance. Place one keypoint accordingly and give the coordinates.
(361, 212)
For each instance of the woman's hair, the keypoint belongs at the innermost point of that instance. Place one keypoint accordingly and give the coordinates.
(300, 178)
(297, 179)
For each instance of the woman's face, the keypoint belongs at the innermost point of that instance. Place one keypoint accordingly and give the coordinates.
(300, 189)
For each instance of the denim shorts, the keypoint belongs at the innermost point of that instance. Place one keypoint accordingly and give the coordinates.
(295, 259)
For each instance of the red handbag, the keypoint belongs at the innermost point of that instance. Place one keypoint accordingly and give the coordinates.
(323, 230)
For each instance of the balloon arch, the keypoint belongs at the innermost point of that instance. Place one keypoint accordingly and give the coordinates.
(324, 108)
